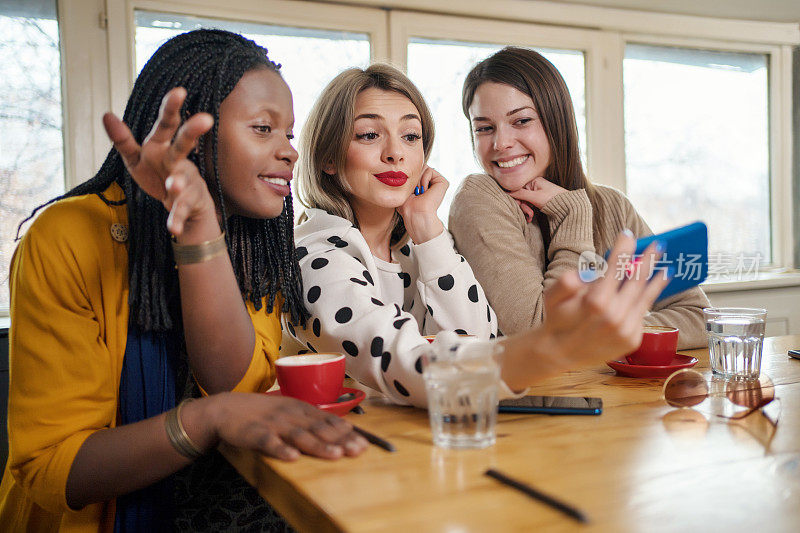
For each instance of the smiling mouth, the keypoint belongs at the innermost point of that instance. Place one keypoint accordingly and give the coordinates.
(274, 181)
(517, 161)
(278, 185)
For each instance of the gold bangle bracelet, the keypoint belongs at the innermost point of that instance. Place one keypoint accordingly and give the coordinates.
(186, 254)
(177, 434)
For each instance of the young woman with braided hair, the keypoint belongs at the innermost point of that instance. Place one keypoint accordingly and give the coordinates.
(175, 260)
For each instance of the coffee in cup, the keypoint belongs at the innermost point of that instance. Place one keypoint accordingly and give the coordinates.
(431, 338)
(658, 347)
(314, 378)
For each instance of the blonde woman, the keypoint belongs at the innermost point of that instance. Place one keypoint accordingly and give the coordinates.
(380, 271)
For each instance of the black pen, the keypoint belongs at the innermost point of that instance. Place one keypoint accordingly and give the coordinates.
(535, 494)
(376, 440)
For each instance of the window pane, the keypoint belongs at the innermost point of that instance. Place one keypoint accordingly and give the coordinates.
(438, 68)
(697, 144)
(310, 58)
(31, 144)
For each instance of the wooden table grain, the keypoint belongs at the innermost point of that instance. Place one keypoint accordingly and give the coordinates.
(640, 466)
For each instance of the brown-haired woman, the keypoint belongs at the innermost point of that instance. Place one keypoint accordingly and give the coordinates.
(525, 222)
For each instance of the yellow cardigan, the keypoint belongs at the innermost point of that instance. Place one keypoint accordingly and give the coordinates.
(69, 321)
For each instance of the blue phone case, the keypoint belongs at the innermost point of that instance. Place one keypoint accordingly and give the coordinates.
(686, 254)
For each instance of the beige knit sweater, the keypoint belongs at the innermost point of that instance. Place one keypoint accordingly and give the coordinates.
(507, 253)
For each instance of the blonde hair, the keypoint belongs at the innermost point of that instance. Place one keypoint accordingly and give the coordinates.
(329, 129)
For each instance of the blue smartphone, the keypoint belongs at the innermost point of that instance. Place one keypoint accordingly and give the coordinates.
(552, 405)
(685, 256)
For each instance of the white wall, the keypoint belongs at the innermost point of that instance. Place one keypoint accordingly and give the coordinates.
(782, 305)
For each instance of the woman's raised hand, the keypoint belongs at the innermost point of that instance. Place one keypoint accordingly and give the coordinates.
(536, 193)
(593, 322)
(587, 323)
(275, 426)
(160, 166)
(419, 211)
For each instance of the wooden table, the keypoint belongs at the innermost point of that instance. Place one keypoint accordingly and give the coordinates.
(640, 466)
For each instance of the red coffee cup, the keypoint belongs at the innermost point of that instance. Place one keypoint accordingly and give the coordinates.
(659, 344)
(430, 338)
(314, 378)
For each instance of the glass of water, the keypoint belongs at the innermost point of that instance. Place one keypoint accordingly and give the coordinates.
(735, 340)
(461, 384)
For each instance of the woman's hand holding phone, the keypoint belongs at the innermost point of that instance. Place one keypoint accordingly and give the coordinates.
(602, 319)
(586, 323)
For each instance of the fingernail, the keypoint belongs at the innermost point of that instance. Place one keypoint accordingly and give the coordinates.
(292, 454)
(661, 246)
(416, 191)
(421, 189)
(168, 182)
(588, 275)
(627, 232)
(334, 449)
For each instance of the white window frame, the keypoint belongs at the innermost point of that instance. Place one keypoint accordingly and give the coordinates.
(601, 103)
(84, 87)
(122, 26)
(779, 72)
(98, 56)
(598, 17)
(98, 67)
(604, 52)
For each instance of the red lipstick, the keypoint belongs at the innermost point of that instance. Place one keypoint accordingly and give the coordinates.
(392, 178)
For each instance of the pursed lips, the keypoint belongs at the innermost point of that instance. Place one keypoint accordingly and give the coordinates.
(392, 178)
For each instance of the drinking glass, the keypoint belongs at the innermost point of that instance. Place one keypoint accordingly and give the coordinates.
(461, 385)
(735, 341)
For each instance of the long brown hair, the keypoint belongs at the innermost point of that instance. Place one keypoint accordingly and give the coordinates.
(328, 131)
(530, 73)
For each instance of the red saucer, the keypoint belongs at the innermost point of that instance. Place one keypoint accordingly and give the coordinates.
(338, 409)
(624, 368)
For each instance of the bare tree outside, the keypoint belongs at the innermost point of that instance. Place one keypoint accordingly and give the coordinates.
(31, 141)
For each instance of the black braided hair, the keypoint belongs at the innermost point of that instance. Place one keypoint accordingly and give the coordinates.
(208, 64)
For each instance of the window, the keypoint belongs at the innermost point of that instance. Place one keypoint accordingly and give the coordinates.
(31, 145)
(690, 116)
(697, 143)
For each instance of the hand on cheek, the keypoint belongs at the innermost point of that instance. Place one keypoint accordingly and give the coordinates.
(537, 192)
(419, 211)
